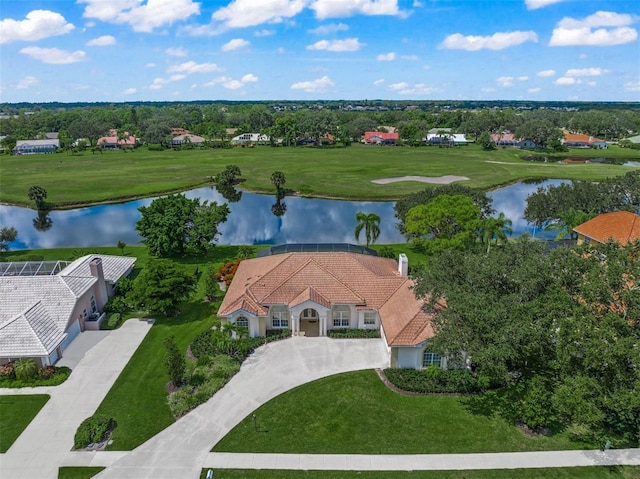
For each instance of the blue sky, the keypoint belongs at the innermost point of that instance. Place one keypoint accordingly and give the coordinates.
(179, 50)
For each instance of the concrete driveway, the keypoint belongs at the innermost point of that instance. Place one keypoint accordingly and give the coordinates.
(47, 441)
(182, 449)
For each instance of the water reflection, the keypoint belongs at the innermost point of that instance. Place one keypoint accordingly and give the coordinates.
(254, 219)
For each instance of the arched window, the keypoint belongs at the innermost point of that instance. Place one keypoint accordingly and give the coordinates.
(242, 322)
(309, 313)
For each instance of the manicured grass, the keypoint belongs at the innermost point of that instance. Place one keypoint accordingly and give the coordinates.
(16, 412)
(596, 472)
(78, 472)
(355, 413)
(332, 172)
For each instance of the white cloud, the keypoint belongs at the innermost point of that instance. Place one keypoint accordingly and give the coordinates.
(318, 85)
(235, 44)
(347, 8)
(585, 72)
(329, 29)
(632, 86)
(233, 84)
(411, 58)
(497, 41)
(399, 86)
(386, 57)
(54, 55)
(346, 45)
(504, 81)
(523, 78)
(535, 4)
(379, 82)
(38, 24)
(103, 41)
(129, 91)
(417, 89)
(564, 81)
(141, 16)
(592, 83)
(600, 29)
(582, 56)
(193, 67)
(150, 65)
(546, 73)
(26, 82)
(160, 82)
(534, 90)
(176, 52)
(488, 90)
(264, 33)
(245, 13)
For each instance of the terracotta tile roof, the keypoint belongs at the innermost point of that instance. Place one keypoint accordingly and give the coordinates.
(368, 135)
(369, 282)
(579, 138)
(621, 226)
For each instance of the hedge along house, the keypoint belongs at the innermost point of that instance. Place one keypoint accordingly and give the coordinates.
(313, 293)
(45, 305)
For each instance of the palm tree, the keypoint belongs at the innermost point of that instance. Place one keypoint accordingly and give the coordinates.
(566, 221)
(496, 229)
(371, 225)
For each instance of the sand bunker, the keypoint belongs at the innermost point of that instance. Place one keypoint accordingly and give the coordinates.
(438, 180)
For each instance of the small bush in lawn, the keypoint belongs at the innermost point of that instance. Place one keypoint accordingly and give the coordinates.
(354, 333)
(113, 321)
(25, 369)
(117, 304)
(182, 401)
(93, 430)
(431, 381)
(386, 252)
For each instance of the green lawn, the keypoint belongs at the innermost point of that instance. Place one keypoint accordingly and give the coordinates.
(355, 413)
(599, 472)
(332, 172)
(16, 412)
(78, 472)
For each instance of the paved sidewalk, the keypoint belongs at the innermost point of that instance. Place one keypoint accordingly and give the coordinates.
(46, 443)
(180, 450)
(422, 462)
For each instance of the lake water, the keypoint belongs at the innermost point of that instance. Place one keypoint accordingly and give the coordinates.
(252, 221)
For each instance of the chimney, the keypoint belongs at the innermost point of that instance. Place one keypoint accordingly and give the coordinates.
(403, 265)
(95, 266)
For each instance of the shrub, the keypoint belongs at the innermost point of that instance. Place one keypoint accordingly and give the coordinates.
(92, 430)
(113, 321)
(430, 381)
(47, 372)
(25, 369)
(354, 333)
(116, 304)
(227, 271)
(211, 288)
(155, 147)
(7, 371)
(386, 252)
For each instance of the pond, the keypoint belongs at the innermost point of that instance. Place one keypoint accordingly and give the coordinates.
(252, 220)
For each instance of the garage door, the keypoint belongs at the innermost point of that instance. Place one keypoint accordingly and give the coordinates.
(72, 332)
(53, 357)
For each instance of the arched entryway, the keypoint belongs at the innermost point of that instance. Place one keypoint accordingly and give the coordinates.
(310, 322)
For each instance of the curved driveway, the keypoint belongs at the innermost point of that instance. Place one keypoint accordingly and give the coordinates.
(182, 449)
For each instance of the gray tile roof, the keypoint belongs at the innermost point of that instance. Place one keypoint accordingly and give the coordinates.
(32, 333)
(114, 267)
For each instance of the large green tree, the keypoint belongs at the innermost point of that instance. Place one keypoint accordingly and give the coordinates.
(172, 224)
(370, 223)
(161, 287)
(495, 229)
(38, 195)
(447, 221)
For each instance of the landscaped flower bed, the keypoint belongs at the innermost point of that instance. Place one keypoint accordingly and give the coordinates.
(354, 333)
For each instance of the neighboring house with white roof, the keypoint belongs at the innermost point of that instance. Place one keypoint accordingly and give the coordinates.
(185, 139)
(36, 147)
(313, 293)
(43, 308)
(250, 139)
(445, 138)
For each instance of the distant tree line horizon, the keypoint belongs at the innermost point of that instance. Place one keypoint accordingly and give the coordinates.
(289, 121)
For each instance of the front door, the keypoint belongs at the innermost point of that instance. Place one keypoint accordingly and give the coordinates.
(310, 322)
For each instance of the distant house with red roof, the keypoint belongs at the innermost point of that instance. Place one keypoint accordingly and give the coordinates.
(311, 294)
(112, 142)
(623, 227)
(579, 140)
(380, 138)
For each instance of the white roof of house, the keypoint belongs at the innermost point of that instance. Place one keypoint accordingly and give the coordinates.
(35, 311)
(250, 137)
(47, 142)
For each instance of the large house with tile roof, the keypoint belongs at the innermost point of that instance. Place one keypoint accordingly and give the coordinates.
(623, 227)
(42, 308)
(313, 293)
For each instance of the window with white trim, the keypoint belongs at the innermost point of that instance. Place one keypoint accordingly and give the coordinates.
(279, 319)
(341, 318)
(309, 313)
(369, 318)
(242, 322)
(430, 359)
